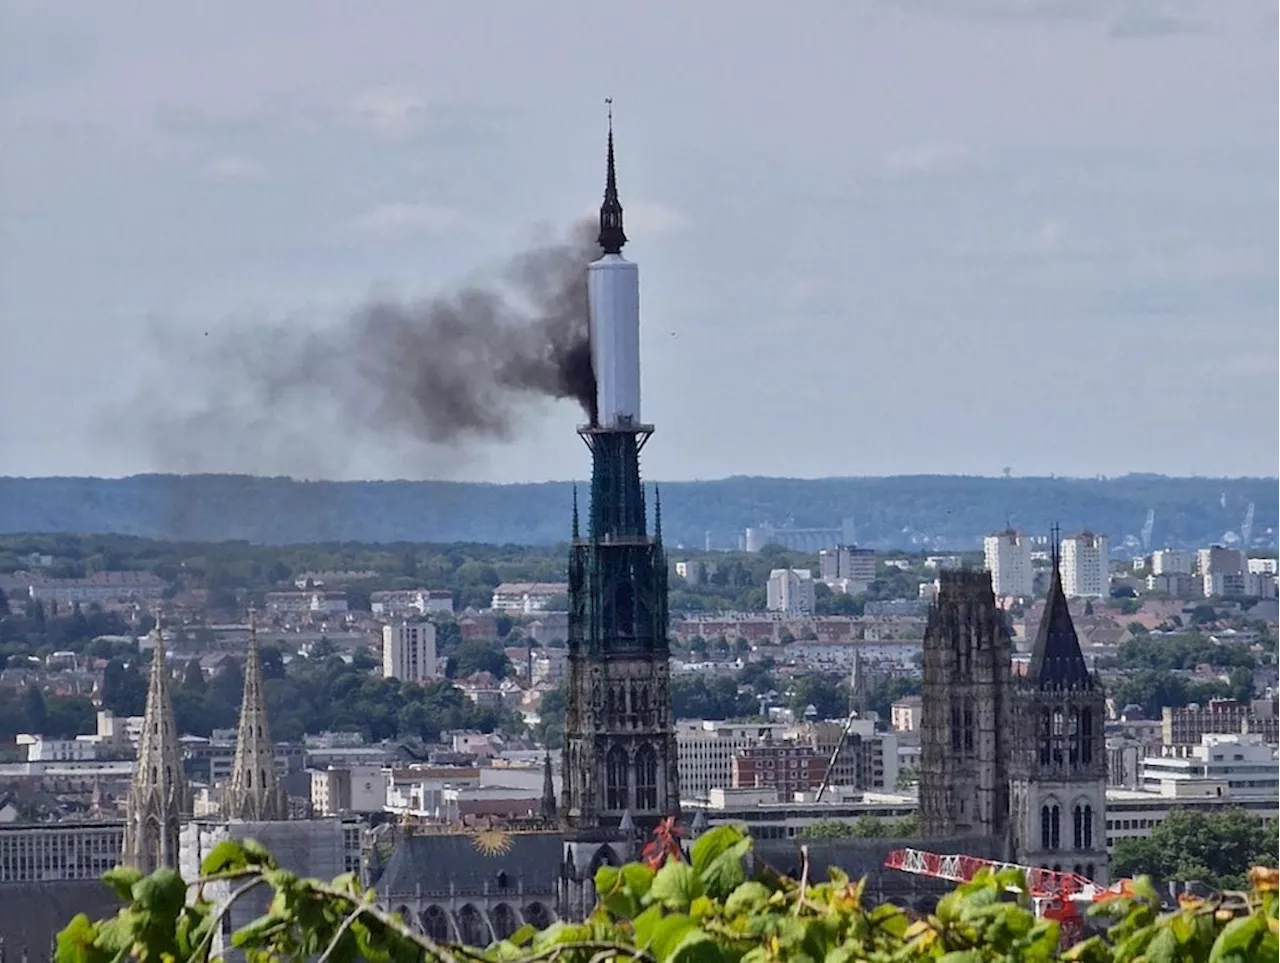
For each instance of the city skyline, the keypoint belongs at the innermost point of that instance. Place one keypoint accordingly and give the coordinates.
(884, 216)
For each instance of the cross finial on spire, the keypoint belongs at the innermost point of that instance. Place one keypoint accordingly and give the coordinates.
(611, 236)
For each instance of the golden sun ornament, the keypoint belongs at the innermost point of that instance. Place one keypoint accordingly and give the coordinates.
(492, 841)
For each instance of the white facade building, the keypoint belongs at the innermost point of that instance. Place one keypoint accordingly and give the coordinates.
(525, 598)
(790, 591)
(1172, 561)
(705, 752)
(1239, 761)
(1085, 559)
(43, 852)
(1008, 558)
(1262, 566)
(43, 749)
(409, 651)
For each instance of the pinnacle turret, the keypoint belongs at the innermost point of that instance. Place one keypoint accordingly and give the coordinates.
(255, 793)
(548, 789)
(611, 236)
(158, 794)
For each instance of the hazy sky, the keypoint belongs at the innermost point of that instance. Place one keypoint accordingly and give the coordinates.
(982, 233)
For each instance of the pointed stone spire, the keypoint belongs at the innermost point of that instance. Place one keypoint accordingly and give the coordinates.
(548, 789)
(255, 793)
(575, 512)
(611, 235)
(158, 794)
(1056, 659)
(657, 514)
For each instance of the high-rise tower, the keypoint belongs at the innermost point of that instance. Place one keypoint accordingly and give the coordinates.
(964, 784)
(158, 794)
(619, 767)
(1058, 769)
(255, 793)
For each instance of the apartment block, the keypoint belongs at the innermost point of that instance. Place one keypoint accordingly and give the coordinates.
(409, 651)
(1007, 556)
(1085, 561)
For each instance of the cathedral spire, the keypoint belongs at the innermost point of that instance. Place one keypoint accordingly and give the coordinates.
(548, 788)
(575, 511)
(157, 795)
(611, 236)
(1056, 659)
(255, 793)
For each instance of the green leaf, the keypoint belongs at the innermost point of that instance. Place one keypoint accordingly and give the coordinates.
(251, 934)
(1162, 949)
(523, 935)
(711, 844)
(121, 880)
(607, 879)
(696, 946)
(227, 855)
(676, 886)
(638, 878)
(667, 933)
(255, 854)
(747, 897)
(163, 894)
(75, 943)
(1238, 939)
(723, 875)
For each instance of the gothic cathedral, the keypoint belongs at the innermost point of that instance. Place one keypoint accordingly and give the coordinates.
(1059, 764)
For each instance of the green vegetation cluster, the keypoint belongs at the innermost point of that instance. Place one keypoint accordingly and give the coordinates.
(1216, 848)
(672, 909)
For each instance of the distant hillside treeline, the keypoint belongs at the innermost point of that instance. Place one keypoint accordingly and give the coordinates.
(920, 511)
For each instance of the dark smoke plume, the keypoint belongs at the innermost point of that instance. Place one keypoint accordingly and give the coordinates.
(441, 371)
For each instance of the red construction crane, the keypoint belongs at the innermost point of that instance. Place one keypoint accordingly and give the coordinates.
(1055, 895)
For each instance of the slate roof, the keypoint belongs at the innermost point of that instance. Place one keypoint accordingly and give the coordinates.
(1056, 659)
(435, 862)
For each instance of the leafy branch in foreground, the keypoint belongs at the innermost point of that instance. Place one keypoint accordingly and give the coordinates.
(669, 910)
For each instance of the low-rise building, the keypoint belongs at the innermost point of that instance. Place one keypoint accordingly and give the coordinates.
(525, 598)
(1239, 764)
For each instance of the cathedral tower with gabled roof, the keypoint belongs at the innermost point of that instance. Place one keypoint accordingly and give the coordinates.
(1058, 772)
(158, 793)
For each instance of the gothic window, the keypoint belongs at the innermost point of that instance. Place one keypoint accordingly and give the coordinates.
(1046, 738)
(472, 928)
(615, 778)
(248, 779)
(968, 727)
(646, 778)
(1059, 724)
(1088, 828)
(1088, 870)
(1077, 827)
(1086, 736)
(1050, 827)
(262, 778)
(504, 921)
(964, 642)
(1073, 736)
(1078, 869)
(955, 728)
(435, 923)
